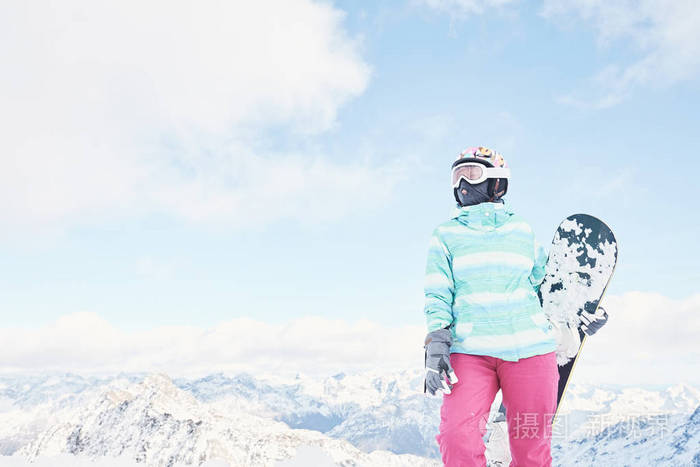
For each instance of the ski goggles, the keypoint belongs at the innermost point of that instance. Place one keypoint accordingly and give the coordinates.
(474, 172)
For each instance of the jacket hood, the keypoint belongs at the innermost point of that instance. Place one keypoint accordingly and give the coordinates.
(483, 216)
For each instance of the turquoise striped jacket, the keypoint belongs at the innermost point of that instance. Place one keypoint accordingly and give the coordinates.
(483, 272)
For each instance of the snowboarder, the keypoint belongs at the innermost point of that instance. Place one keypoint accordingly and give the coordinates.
(486, 326)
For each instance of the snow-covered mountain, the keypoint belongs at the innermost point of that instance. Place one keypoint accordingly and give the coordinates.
(360, 419)
(667, 440)
(155, 422)
(371, 410)
(380, 411)
(629, 427)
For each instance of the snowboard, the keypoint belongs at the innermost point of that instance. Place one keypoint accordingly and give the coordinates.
(581, 262)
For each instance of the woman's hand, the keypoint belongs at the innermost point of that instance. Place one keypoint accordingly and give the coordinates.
(437, 360)
(592, 322)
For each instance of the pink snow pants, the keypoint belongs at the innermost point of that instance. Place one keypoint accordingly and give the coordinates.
(529, 388)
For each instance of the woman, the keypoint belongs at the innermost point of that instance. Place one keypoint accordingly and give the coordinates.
(486, 327)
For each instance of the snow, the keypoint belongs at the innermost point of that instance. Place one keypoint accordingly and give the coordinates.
(368, 420)
(154, 421)
(72, 460)
(306, 456)
(66, 460)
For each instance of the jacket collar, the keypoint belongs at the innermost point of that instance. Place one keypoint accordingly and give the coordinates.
(483, 215)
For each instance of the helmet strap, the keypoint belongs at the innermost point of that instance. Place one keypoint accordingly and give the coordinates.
(493, 189)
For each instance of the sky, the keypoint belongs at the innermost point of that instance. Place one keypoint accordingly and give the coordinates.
(189, 171)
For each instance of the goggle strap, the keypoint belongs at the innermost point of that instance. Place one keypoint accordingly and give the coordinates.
(497, 172)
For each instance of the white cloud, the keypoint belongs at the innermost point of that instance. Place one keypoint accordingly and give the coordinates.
(313, 345)
(665, 34)
(649, 339)
(272, 187)
(210, 66)
(123, 108)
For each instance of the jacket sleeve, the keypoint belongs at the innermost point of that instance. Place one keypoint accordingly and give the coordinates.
(439, 285)
(537, 274)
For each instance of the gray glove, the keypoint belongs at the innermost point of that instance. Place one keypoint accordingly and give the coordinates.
(591, 322)
(437, 360)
